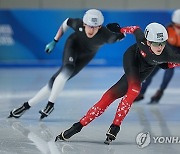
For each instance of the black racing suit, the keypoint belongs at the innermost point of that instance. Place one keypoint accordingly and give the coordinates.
(79, 49)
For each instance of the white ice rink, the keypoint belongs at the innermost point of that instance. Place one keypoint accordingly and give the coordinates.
(28, 135)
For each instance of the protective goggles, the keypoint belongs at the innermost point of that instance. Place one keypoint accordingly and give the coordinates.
(156, 44)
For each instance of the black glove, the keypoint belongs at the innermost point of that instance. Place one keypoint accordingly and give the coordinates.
(114, 27)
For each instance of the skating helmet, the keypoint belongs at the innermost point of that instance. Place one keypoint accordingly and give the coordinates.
(176, 16)
(155, 32)
(93, 18)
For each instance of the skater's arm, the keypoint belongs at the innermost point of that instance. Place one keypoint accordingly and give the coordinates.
(172, 65)
(169, 65)
(129, 29)
(138, 33)
(62, 29)
(173, 57)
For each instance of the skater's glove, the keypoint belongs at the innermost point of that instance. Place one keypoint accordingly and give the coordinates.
(114, 27)
(50, 46)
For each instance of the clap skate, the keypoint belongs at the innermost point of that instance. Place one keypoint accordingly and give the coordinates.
(155, 99)
(76, 128)
(17, 113)
(48, 109)
(111, 134)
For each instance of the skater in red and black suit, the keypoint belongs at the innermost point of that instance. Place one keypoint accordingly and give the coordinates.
(173, 41)
(139, 61)
(80, 48)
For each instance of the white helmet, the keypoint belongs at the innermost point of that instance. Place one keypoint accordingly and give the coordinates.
(155, 32)
(176, 16)
(93, 18)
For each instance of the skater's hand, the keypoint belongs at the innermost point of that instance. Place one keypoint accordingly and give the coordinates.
(50, 46)
(114, 27)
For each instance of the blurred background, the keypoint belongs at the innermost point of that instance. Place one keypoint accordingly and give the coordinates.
(85, 4)
(26, 26)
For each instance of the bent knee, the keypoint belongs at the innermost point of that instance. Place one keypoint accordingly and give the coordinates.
(110, 95)
(134, 89)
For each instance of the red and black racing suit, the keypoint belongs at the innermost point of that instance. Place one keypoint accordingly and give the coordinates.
(138, 62)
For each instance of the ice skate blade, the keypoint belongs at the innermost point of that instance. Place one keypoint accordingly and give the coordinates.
(13, 116)
(42, 115)
(59, 138)
(107, 141)
(10, 116)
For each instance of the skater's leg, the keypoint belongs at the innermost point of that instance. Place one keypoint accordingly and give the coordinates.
(40, 96)
(148, 81)
(145, 85)
(122, 111)
(126, 102)
(115, 92)
(57, 87)
(168, 74)
(109, 96)
(18, 112)
(58, 81)
(131, 68)
(93, 112)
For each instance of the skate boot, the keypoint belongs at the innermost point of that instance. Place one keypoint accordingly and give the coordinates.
(111, 133)
(76, 128)
(48, 109)
(139, 98)
(155, 99)
(17, 113)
